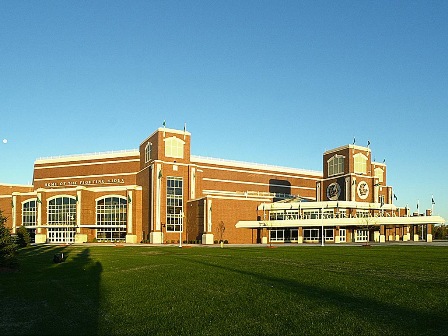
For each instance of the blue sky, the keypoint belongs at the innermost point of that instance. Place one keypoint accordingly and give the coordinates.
(276, 82)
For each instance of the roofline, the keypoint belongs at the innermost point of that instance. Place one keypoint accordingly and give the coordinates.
(164, 129)
(347, 146)
(88, 156)
(252, 165)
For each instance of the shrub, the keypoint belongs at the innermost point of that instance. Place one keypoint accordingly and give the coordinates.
(7, 247)
(23, 236)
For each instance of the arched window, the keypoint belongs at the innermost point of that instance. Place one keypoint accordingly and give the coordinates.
(29, 213)
(336, 165)
(111, 218)
(148, 148)
(379, 173)
(174, 147)
(62, 210)
(360, 163)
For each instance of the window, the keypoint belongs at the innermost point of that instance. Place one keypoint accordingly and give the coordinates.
(342, 235)
(62, 211)
(361, 235)
(29, 213)
(174, 147)
(277, 235)
(111, 218)
(311, 234)
(148, 148)
(379, 173)
(336, 165)
(329, 234)
(360, 163)
(362, 213)
(174, 204)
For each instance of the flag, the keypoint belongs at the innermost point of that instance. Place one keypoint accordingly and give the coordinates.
(432, 200)
(354, 140)
(395, 197)
(384, 160)
(164, 123)
(417, 205)
(185, 127)
(368, 143)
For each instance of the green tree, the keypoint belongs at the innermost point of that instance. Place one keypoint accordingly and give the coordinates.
(8, 248)
(23, 236)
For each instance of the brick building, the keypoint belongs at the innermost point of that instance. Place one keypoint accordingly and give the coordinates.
(161, 193)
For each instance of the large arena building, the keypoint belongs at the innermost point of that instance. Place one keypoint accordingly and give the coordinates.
(160, 193)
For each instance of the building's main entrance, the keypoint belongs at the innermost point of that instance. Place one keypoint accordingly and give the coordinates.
(61, 235)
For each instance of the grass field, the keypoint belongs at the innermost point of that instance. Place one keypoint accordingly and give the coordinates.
(310, 290)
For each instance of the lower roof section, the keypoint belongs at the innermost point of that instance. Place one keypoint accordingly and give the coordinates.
(352, 221)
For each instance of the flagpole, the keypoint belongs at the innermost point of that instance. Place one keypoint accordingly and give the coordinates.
(432, 205)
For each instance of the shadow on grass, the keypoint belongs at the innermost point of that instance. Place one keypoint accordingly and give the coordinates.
(387, 317)
(56, 299)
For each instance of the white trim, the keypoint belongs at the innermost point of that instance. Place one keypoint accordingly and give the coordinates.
(84, 176)
(85, 164)
(367, 149)
(166, 130)
(88, 156)
(16, 185)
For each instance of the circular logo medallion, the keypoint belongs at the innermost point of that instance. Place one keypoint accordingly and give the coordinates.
(363, 190)
(333, 191)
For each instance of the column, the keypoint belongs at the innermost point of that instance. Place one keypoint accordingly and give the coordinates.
(156, 236)
(300, 235)
(337, 237)
(429, 233)
(382, 234)
(79, 237)
(13, 212)
(39, 237)
(130, 237)
(415, 231)
(207, 236)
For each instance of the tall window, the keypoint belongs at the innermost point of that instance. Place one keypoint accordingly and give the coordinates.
(174, 147)
(62, 211)
(174, 204)
(379, 173)
(29, 213)
(336, 165)
(360, 163)
(148, 148)
(111, 218)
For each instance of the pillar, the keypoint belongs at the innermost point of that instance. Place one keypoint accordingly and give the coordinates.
(429, 233)
(300, 235)
(337, 238)
(382, 234)
(415, 231)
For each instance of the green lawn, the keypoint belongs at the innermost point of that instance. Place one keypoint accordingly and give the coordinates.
(331, 290)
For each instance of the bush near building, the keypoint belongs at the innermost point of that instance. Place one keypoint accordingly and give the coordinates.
(8, 248)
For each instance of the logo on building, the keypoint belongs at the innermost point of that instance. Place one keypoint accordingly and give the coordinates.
(363, 190)
(333, 191)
